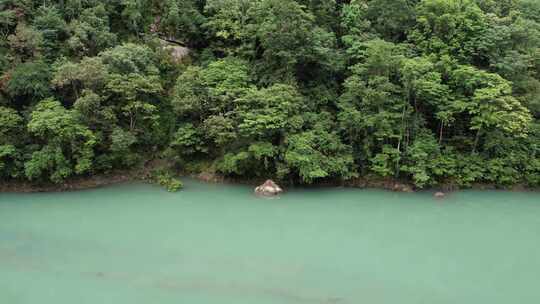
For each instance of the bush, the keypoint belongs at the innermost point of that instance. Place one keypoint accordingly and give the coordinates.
(172, 184)
(167, 180)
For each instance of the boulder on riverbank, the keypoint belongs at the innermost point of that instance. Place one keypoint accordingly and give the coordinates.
(269, 188)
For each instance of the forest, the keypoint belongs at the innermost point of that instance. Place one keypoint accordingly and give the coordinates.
(304, 91)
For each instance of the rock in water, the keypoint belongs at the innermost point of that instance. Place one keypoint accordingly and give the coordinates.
(269, 188)
(439, 195)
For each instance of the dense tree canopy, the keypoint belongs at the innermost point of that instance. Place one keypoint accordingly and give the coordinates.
(306, 91)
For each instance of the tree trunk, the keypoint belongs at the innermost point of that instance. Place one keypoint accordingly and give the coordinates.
(476, 140)
(76, 90)
(131, 122)
(441, 132)
(403, 127)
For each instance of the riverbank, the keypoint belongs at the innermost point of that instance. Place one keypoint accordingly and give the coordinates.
(140, 173)
(143, 174)
(74, 184)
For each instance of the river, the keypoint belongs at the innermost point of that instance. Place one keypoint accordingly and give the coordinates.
(210, 244)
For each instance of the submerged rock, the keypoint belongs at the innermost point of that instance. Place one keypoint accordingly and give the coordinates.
(399, 187)
(269, 188)
(439, 194)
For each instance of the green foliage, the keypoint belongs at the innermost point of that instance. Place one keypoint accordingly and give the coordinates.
(121, 147)
(421, 158)
(53, 27)
(66, 145)
(226, 80)
(10, 122)
(167, 180)
(90, 33)
(318, 154)
(130, 58)
(29, 80)
(487, 99)
(449, 27)
(226, 24)
(530, 9)
(264, 113)
(391, 18)
(373, 112)
(26, 42)
(187, 140)
(200, 93)
(429, 91)
(237, 163)
(10, 129)
(355, 25)
(8, 157)
(289, 39)
(132, 13)
(181, 19)
(89, 73)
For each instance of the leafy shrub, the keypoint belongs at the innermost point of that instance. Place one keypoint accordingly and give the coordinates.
(167, 180)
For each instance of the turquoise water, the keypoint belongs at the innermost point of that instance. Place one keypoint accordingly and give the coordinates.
(220, 244)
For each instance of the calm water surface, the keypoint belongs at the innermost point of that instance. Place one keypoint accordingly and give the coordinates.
(215, 244)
